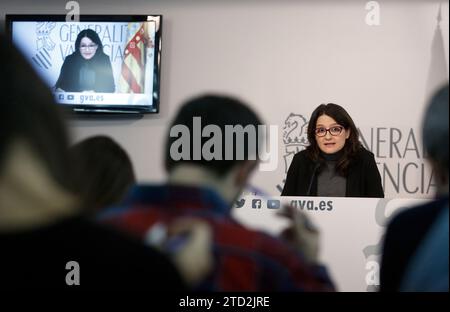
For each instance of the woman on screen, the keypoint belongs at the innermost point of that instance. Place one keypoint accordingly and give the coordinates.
(88, 68)
(335, 163)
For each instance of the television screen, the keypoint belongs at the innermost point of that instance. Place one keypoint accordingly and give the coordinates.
(99, 64)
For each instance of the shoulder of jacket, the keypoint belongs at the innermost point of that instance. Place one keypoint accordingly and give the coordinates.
(71, 57)
(365, 154)
(301, 155)
(103, 56)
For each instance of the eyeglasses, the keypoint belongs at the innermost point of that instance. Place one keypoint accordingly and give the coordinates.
(90, 47)
(334, 131)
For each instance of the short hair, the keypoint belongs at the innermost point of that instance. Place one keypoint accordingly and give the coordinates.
(216, 110)
(29, 112)
(104, 172)
(435, 128)
(352, 144)
(91, 34)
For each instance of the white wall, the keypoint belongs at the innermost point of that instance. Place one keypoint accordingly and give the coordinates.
(284, 57)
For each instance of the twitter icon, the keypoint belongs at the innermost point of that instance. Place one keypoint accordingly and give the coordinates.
(240, 203)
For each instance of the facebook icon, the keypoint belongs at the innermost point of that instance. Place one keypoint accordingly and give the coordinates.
(256, 203)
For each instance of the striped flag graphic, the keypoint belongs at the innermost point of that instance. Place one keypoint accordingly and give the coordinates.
(132, 78)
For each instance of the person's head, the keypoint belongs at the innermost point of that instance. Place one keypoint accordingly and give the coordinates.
(331, 130)
(31, 127)
(88, 43)
(29, 113)
(104, 172)
(210, 149)
(435, 137)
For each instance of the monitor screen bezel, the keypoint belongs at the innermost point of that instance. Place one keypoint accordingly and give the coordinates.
(105, 108)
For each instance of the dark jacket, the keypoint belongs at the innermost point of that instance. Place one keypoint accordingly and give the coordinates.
(404, 234)
(363, 179)
(69, 77)
(108, 260)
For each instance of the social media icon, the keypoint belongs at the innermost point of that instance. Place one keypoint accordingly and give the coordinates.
(240, 203)
(273, 204)
(70, 97)
(60, 96)
(256, 203)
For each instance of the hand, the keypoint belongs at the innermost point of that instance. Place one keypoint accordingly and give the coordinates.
(194, 258)
(301, 234)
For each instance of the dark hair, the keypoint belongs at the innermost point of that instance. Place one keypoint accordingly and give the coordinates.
(29, 112)
(352, 144)
(435, 128)
(104, 172)
(214, 110)
(91, 34)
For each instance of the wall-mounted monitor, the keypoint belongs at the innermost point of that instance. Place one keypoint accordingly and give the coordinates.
(99, 64)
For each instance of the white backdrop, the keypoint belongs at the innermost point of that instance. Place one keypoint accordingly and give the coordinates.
(286, 57)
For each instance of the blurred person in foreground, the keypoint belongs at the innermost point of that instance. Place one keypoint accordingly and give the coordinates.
(415, 252)
(45, 242)
(104, 172)
(206, 187)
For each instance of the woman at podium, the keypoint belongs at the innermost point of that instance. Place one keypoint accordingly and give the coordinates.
(335, 163)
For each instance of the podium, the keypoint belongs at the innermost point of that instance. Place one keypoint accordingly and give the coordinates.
(351, 230)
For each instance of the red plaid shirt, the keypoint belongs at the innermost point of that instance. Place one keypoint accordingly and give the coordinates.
(245, 260)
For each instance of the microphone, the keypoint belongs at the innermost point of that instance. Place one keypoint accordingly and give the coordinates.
(312, 178)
